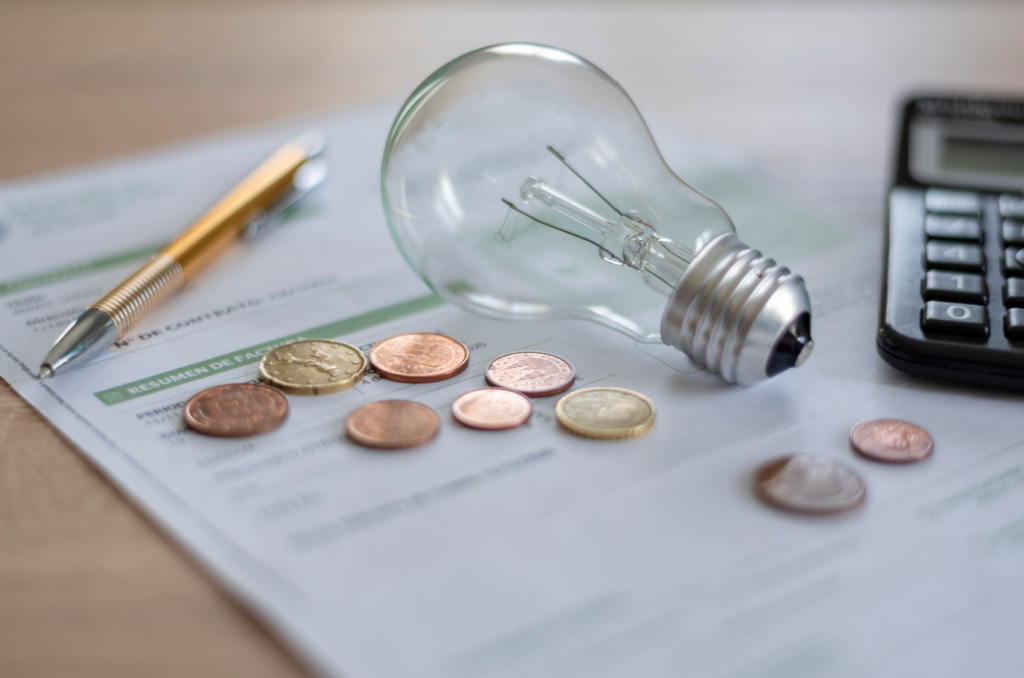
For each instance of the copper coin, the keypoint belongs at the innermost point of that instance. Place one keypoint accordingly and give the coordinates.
(236, 410)
(809, 483)
(532, 373)
(392, 424)
(492, 409)
(419, 358)
(891, 440)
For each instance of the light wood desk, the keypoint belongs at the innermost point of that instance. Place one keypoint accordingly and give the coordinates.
(88, 586)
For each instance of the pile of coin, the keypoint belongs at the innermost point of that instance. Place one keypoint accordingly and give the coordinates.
(811, 483)
(804, 483)
(307, 367)
(323, 366)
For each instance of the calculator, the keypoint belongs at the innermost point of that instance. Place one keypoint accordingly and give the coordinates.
(952, 301)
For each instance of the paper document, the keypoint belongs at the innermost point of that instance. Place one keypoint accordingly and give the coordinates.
(527, 552)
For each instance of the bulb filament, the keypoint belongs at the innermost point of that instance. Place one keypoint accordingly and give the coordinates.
(660, 261)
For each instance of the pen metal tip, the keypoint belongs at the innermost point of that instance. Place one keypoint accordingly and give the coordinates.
(45, 372)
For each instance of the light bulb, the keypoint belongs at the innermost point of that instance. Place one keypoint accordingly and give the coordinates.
(521, 182)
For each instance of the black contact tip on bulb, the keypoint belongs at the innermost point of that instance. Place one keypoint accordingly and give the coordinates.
(793, 348)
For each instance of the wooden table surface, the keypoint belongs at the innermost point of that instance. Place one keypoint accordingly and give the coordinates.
(90, 587)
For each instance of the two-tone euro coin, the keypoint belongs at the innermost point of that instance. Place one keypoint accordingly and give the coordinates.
(313, 367)
(606, 413)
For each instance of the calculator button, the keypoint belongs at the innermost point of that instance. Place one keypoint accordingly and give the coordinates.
(955, 256)
(952, 202)
(1013, 292)
(1013, 232)
(1011, 262)
(1014, 325)
(958, 228)
(940, 316)
(949, 286)
(1011, 205)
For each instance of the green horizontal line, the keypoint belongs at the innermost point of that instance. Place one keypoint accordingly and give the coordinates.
(74, 270)
(250, 354)
(28, 282)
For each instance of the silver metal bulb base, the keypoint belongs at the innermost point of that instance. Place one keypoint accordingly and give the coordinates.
(739, 313)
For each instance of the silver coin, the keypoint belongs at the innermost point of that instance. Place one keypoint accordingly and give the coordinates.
(809, 483)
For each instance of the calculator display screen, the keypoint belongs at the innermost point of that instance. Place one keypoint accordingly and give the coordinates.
(982, 156)
(966, 154)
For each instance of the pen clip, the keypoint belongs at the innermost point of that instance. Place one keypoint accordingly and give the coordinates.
(309, 176)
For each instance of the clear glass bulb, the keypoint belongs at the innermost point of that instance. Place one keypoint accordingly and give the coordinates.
(521, 182)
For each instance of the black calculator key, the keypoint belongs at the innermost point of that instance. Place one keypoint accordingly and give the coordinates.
(950, 286)
(1013, 232)
(1012, 264)
(1014, 325)
(955, 256)
(1011, 205)
(952, 318)
(1013, 292)
(948, 226)
(952, 202)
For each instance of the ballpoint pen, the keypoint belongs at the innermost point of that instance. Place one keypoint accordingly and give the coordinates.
(280, 180)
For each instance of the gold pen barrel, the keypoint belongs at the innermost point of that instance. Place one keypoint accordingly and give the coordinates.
(216, 229)
(167, 272)
(141, 292)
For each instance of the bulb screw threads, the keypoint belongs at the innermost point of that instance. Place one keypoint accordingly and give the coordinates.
(739, 313)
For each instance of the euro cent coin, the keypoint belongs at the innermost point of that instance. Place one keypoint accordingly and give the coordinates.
(492, 409)
(809, 483)
(236, 410)
(532, 373)
(313, 367)
(892, 441)
(419, 358)
(606, 413)
(392, 424)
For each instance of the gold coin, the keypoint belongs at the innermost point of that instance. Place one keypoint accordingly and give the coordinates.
(313, 367)
(606, 413)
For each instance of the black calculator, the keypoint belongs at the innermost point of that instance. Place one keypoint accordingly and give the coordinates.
(953, 292)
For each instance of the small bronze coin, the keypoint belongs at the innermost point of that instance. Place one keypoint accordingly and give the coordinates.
(532, 373)
(392, 424)
(492, 409)
(419, 358)
(236, 410)
(809, 483)
(891, 440)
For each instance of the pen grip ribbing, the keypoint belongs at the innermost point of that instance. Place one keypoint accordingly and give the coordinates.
(141, 292)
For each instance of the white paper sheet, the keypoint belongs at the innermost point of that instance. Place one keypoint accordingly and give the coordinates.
(530, 551)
